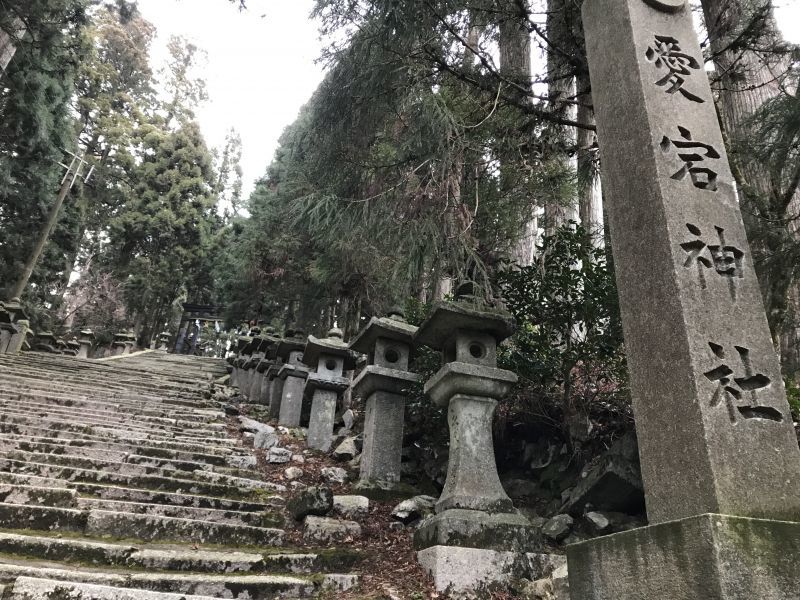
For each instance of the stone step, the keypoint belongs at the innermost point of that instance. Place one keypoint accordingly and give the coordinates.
(97, 410)
(121, 525)
(177, 464)
(264, 518)
(248, 491)
(32, 588)
(253, 587)
(144, 425)
(88, 552)
(124, 385)
(94, 426)
(145, 447)
(59, 497)
(261, 502)
(142, 468)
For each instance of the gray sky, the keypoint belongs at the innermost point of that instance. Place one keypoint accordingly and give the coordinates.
(261, 64)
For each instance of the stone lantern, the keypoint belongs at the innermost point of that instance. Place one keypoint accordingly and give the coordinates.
(14, 327)
(329, 357)
(245, 363)
(258, 386)
(86, 341)
(473, 510)
(387, 342)
(242, 343)
(293, 373)
(72, 347)
(7, 329)
(45, 341)
(163, 341)
(271, 376)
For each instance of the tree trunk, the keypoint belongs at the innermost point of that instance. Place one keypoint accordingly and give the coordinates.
(749, 72)
(9, 39)
(561, 95)
(589, 197)
(515, 65)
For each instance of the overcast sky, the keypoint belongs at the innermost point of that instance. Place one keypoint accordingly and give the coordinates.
(262, 64)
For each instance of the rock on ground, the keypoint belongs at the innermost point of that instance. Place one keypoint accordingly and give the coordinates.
(279, 455)
(414, 509)
(346, 450)
(558, 527)
(334, 474)
(313, 501)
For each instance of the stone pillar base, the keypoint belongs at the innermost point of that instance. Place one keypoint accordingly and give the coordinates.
(474, 572)
(385, 491)
(713, 557)
(478, 529)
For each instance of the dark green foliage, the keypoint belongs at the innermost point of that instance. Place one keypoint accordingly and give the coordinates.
(35, 129)
(569, 339)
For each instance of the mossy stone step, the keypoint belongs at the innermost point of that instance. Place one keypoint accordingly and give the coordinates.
(32, 588)
(262, 518)
(246, 491)
(256, 587)
(85, 552)
(144, 527)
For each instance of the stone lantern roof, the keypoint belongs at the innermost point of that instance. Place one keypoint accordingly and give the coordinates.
(333, 345)
(293, 341)
(392, 328)
(14, 308)
(449, 317)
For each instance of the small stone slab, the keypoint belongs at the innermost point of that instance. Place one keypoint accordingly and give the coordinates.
(351, 507)
(324, 530)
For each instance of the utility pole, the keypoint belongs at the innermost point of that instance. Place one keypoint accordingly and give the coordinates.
(72, 174)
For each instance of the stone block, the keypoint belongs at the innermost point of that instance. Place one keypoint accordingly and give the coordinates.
(324, 530)
(383, 436)
(351, 507)
(323, 414)
(474, 572)
(708, 557)
(477, 529)
(292, 399)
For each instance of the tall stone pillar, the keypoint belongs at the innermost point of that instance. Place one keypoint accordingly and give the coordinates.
(328, 357)
(383, 383)
(293, 373)
(473, 511)
(86, 342)
(720, 460)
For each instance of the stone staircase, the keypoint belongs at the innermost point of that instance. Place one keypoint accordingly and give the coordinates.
(119, 480)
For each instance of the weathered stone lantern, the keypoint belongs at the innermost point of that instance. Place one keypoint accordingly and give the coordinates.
(387, 342)
(259, 390)
(293, 373)
(163, 341)
(329, 357)
(45, 341)
(71, 347)
(473, 510)
(244, 363)
(242, 343)
(14, 327)
(7, 329)
(86, 341)
(271, 376)
(249, 367)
